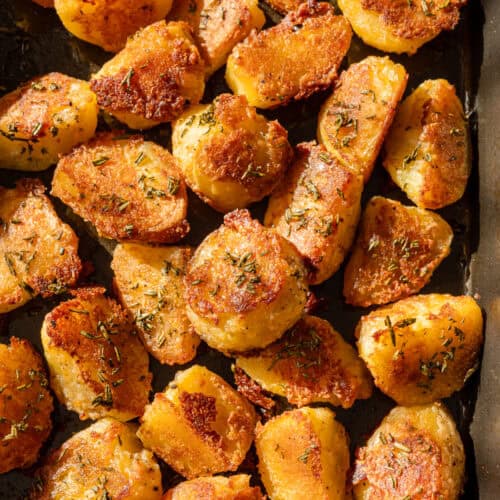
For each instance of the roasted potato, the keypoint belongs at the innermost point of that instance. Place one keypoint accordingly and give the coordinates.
(245, 285)
(427, 152)
(230, 156)
(415, 453)
(200, 425)
(103, 461)
(291, 60)
(98, 366)
(311, 363)
(317, 208)
(396, 251)
(149, 282)
(25, 405)
(38, 252)
(45, 3)
(154, 78)
(284, 6)
(44, 118)
(128, 188)
(303, 452)
(400, 26)
(355, 119)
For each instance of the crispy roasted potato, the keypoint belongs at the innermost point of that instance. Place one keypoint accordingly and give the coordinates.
(128, 188)
(245, 285)
(396, 251)
(230, 156)
(44, 118)
(284, 6)
(103, 461)
(355, 119)
(98, 366)
(154, 78)
(45, 3)
(415, 453)
(149, 282)
(200, 425)
(303, 452)
(400, 26)
(25, 405)
(291, 60)
(428, 148)
(38, 252)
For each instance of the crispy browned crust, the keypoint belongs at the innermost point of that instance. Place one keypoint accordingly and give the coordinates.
(252, 390)
(45, 3)
(284, 6)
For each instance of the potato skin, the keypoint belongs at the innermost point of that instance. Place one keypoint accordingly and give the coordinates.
(396, 251)
(291, 60)
(427, 152)
(355, 119)
(44, 118)
(200, 425)
(230, 156)
(415, 453)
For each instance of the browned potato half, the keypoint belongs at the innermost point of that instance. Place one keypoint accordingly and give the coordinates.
(98, 366)
(230, 156)
(291, 60)
(44, 118)
(25, 405)
(428, 148)
(245, 285)
(200, 425)
(355, 119)
(396, 251)
(415, 453)
(45, 3)
(317, 208)
(302, 452)
(154, 78)
(103, 461)
(149, 282)
(128, 188)
(311, 363)
(284, 6)
(38, 252)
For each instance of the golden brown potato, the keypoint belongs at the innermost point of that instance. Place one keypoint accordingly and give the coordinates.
(44, 118)
(284, 6)
(38, 252)
(149, 282)
(230, 156)
(98, 366)
(25, 405)
(245, 285)
(154, 78)
(103, 461)
(45, 3)
(303, 452)
(128, 188)
(400, 26)
(200, 425)
(415, 453)
(396, 251)
(355, 119)
(428, 148)
(291, 60)
(317, 208)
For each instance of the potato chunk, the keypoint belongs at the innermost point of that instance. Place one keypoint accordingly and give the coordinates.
(303, 451)
(428, 148)
(128, 188)
(291, 60)
(98, 366)
(149, 282)
(245, 285)
(397, 250)
(45, 3)
(200, 425)
(415, 453)
(154, 78)
(38, 252)
(284, 6)
(355, 119)
(230, 155)
(44, 118)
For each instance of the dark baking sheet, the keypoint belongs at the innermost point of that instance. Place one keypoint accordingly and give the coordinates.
(33, 42)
